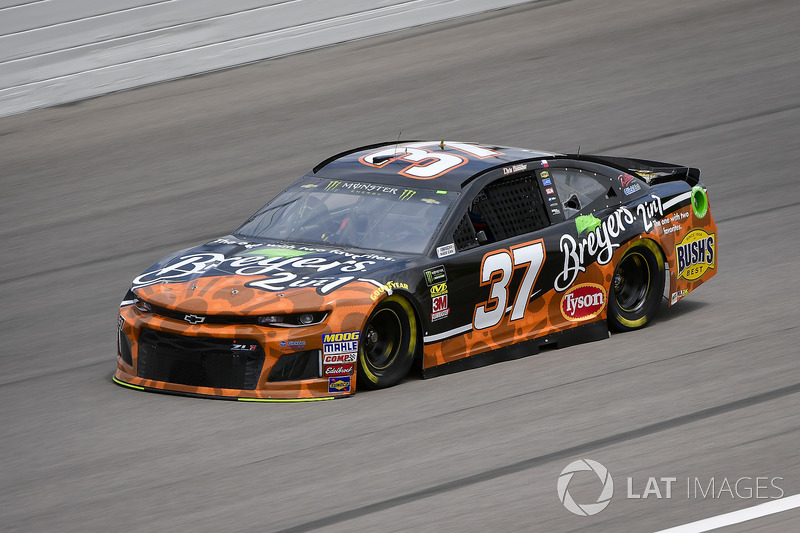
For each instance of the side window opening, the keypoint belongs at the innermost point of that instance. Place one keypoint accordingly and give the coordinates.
(503, 209)
(580, 189)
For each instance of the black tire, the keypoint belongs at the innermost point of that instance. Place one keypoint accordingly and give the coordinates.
(388, 344)
(637, 287)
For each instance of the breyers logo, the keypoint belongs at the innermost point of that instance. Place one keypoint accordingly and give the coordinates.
(583, 302)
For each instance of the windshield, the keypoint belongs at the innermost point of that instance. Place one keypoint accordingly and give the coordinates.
(345, 213)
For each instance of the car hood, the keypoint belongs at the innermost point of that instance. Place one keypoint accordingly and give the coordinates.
(233, 276)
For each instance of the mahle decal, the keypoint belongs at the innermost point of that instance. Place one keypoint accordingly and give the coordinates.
(696, 254)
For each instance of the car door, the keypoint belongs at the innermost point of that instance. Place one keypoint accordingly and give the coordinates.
(489, 269)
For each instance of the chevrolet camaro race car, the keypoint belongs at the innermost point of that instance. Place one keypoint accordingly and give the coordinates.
(434, 255)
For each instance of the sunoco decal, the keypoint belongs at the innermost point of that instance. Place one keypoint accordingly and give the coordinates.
(583, 302)
(695, 254)
(339, 384)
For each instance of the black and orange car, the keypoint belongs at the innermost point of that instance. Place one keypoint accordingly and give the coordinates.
(434, 255)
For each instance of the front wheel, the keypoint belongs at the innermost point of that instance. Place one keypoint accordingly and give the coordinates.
(637, 286)
(388, 344)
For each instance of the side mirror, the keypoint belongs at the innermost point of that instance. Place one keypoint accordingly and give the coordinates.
(482, 238)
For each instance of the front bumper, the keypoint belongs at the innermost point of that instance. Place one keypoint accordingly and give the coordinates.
(227, 361)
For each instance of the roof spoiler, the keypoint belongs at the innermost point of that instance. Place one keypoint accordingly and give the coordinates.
(651, 171)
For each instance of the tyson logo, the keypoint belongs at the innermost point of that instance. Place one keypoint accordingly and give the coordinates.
(583, 302)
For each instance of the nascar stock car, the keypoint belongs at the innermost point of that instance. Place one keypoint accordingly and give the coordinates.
(430, 255)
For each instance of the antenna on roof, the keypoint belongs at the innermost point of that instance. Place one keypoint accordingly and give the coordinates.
(579, 152)
(397, 143)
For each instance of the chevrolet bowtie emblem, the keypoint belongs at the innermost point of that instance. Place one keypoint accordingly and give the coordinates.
(194, 319)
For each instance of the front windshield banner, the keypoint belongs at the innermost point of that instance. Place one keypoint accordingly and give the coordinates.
(352, 214)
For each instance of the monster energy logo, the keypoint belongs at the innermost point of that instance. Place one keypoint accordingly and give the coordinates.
(407, 194)
(332, 185)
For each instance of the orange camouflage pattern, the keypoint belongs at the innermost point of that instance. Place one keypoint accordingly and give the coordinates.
(351, 304)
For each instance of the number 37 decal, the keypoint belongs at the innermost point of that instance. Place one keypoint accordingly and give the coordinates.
(497, 268)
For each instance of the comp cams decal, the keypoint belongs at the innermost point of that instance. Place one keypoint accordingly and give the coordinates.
(340, 348)
(695, 254)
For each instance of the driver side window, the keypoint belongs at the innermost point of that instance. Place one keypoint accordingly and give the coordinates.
(503, 209)
(581, 190)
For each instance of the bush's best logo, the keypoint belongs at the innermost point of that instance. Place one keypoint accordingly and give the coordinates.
(583, 302)
(695, 254)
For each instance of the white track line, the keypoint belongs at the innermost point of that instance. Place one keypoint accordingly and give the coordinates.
(737, 517)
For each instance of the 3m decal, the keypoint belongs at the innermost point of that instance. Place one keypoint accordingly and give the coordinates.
(426, 161)
(583, 302)
(440, 307)
(447, 249)
(695, 254)
(435, 275)
(339, 384)
(496, 269)
(338, 370)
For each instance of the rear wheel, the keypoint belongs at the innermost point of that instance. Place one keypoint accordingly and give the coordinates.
(388, 344)
(637, 287)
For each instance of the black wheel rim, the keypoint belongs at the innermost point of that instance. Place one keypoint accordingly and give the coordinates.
(632, 282)
(383, 338)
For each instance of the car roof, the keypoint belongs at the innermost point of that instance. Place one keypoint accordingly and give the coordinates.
(417, 163)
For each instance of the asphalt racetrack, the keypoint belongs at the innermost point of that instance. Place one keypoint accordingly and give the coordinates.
(94, 192)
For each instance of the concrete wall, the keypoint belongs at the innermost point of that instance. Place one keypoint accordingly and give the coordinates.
(58, 51)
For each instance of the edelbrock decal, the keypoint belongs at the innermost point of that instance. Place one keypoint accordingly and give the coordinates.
(598, 245)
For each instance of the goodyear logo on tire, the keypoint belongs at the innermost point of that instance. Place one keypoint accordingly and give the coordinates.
(696, 254)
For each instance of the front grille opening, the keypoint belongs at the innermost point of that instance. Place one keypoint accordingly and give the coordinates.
(124, 348)
(199, 361)
(296, 366)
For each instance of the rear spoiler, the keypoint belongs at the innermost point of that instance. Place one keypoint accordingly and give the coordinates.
(652, 172)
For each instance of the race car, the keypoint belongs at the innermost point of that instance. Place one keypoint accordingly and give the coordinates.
(428, 255)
